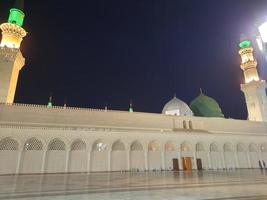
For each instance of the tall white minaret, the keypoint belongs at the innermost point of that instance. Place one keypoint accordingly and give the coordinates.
(11, 58)
(254, 87)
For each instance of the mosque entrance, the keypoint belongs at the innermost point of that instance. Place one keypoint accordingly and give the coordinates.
(175, 162)
(187, 163)
(199, 164)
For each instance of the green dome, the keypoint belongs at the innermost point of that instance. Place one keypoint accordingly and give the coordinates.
(205, 106)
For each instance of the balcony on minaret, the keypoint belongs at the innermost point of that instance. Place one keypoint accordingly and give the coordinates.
(248, 62)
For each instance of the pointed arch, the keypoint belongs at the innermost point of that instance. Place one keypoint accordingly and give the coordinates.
(99, 145)
(253, 147)
(33, 144)
(136, 146)
(240, 147)
(186, 146)
(170, 146)
(228, 147)
(9, 144)
(153, 146)
(200, 146)
(56, 145)
(118, 146)
(78, 145)
(214, 147)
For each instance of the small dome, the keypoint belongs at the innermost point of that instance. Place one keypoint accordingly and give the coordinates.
(205, 106)
(177, 107)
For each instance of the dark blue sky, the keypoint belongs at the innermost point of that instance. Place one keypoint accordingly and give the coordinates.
(97, 52)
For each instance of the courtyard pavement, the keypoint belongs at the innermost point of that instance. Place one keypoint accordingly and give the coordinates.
(219, 185)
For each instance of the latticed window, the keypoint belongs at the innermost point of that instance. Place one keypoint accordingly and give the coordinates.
(33, 144)
(9, 144)
(57, 144)
(78, 145)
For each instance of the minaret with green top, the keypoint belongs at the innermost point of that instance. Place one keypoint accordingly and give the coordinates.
(253, 87)
(11, 58)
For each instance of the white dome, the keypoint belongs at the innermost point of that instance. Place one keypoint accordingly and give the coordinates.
(177, 107)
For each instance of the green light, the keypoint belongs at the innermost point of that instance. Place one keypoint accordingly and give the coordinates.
(244, 44)
(49, 104)
(16, 16)
(130, 109)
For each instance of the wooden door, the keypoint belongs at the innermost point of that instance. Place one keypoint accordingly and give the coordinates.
(187, 163)
(175, 162)
(199, 164)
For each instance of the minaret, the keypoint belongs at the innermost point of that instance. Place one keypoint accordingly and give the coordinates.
(253, 88)
(11, 58)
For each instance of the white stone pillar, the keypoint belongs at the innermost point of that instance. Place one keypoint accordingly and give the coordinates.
(44, 162)
(109, 161)
(260, 157)
(236, 161)
(18, 162)
(181, 164)
(248, 159)
(89, 161)
(209, 161)
(162, 160)
(146, 160)
(128, 158)
(194, 160)
(67, 161)
(223, 160)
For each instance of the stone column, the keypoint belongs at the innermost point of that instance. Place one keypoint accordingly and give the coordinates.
(44, 162)
(109, 161)
(128, 158)
(146, 160)
(194, 160)
(236, 160)
(162, 160)
(209, 161)
(67, 161)
(223, 160)
(260, 158)
(89, 161)
(248, 159)
(19, 161)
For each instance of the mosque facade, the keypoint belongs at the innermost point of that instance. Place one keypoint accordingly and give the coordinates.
(53, 139)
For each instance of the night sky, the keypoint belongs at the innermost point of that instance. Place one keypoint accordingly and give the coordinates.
(101, 52)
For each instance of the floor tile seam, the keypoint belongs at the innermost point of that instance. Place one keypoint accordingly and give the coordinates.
(75, 192)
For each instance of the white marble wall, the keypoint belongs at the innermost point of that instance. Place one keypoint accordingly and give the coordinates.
(18, 157)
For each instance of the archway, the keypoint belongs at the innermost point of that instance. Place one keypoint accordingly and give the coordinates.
(9, 151)
(78, 156)
(118, 157)
(229, 156)
(171, 152)
(99, 156)
(137, 156)
(187, 155)
(215, 157)
(32, 157)
(254, 155)
(242, 156)
(56, 156)
(154, 156)
(201, 155)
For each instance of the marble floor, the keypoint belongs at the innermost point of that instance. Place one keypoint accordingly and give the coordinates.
(219, 185)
